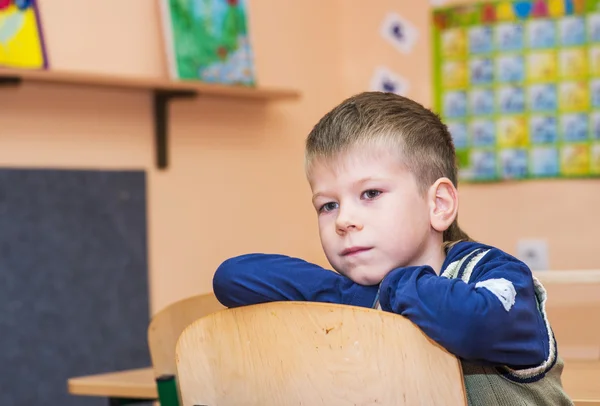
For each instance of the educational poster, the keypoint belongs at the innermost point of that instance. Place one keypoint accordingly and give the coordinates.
(21, 42)
(208, 40)
(518, 84)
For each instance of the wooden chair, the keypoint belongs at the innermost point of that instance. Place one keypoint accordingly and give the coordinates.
(164, 330)
(299, 353)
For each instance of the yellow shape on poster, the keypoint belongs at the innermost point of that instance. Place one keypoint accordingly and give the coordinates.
(573, 96)
(595, 159)
(542, 66)
(573, 63)
(512, 132)
(454, 43)
(575, 160)
(595, 61)
(556, 8)
(505, 11)
(20, 42)
(454, 75)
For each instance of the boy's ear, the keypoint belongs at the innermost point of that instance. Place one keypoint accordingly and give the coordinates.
(443, 204)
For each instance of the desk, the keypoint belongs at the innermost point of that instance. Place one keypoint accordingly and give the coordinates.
(573, 309)
(568, 277)
(121, 388)
(581, 380)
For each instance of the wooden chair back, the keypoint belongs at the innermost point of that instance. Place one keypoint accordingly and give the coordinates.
(166, 326)
(300, 353)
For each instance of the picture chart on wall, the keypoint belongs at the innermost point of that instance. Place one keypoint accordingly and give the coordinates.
(518, 84)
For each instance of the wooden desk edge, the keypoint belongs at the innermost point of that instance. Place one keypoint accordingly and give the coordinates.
(144, 386)
(140, 384)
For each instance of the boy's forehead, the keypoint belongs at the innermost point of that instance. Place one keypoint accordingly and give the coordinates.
(354, 163)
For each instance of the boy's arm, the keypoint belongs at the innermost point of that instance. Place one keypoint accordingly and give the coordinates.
(258, 278)
(494, 319)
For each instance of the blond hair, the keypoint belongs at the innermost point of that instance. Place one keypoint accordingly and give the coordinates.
(419, 136)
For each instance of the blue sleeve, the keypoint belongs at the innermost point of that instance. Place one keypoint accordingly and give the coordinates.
(469, 320)
(258, 278)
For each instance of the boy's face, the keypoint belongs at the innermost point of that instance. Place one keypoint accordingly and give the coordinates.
(372, 218)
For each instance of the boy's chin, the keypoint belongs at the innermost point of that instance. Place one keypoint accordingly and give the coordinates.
(363, 278)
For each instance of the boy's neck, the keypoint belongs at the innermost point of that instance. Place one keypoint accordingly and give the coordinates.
(438, 261)
(435, 258)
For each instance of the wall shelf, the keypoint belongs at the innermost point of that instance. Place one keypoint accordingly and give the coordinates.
(163, 91)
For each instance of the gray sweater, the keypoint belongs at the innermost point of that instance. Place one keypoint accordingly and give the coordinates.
(501, 386)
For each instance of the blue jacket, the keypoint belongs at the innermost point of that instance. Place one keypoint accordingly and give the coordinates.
(483, 310)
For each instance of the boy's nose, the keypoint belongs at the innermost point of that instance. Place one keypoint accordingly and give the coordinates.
(346, 222)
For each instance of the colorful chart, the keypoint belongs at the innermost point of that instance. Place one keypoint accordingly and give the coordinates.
(21, 44)
(518, 84)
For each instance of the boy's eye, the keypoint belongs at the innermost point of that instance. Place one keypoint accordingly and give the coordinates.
(328, 207)
(371, 194)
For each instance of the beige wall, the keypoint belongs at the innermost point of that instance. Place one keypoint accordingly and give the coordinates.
(563, 212)
(235, 181)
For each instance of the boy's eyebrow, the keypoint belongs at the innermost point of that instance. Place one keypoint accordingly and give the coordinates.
(316, 195)
(356, 183)
(368, 179)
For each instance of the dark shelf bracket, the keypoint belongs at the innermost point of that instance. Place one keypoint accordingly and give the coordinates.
(161, 121)
(10, 80)
(161, 99)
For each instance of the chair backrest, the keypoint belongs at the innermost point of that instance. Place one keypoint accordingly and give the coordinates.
(166, 326)
(299, 353)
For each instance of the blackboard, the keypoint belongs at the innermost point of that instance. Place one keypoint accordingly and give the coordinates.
(73, 280)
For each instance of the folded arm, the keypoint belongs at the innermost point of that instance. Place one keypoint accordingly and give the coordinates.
(258, 278)
(494, 319)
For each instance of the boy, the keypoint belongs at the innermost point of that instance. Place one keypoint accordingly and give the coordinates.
(383, 175)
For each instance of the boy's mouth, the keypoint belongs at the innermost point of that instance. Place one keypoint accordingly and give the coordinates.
(354, 251)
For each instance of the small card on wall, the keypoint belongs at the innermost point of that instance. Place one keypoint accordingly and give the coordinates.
(384, 80)
(399, 32)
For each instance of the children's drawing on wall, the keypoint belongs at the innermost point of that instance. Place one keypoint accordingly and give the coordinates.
(595, 164)
(513, 163)
(208, 40)
(481, 101)
(544, 161)
(399, 32)
(455, 104)
(543, 129)
(542, 97)
(518, 84)
(483, 132)
(384, 80)
(481, 71)
(21, 41)
(510, 68)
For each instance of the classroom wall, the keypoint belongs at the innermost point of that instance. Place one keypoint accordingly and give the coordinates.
(562, 212)
(235, 182)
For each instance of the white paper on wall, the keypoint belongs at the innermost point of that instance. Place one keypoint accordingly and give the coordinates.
(399, 32)
(384, 80)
